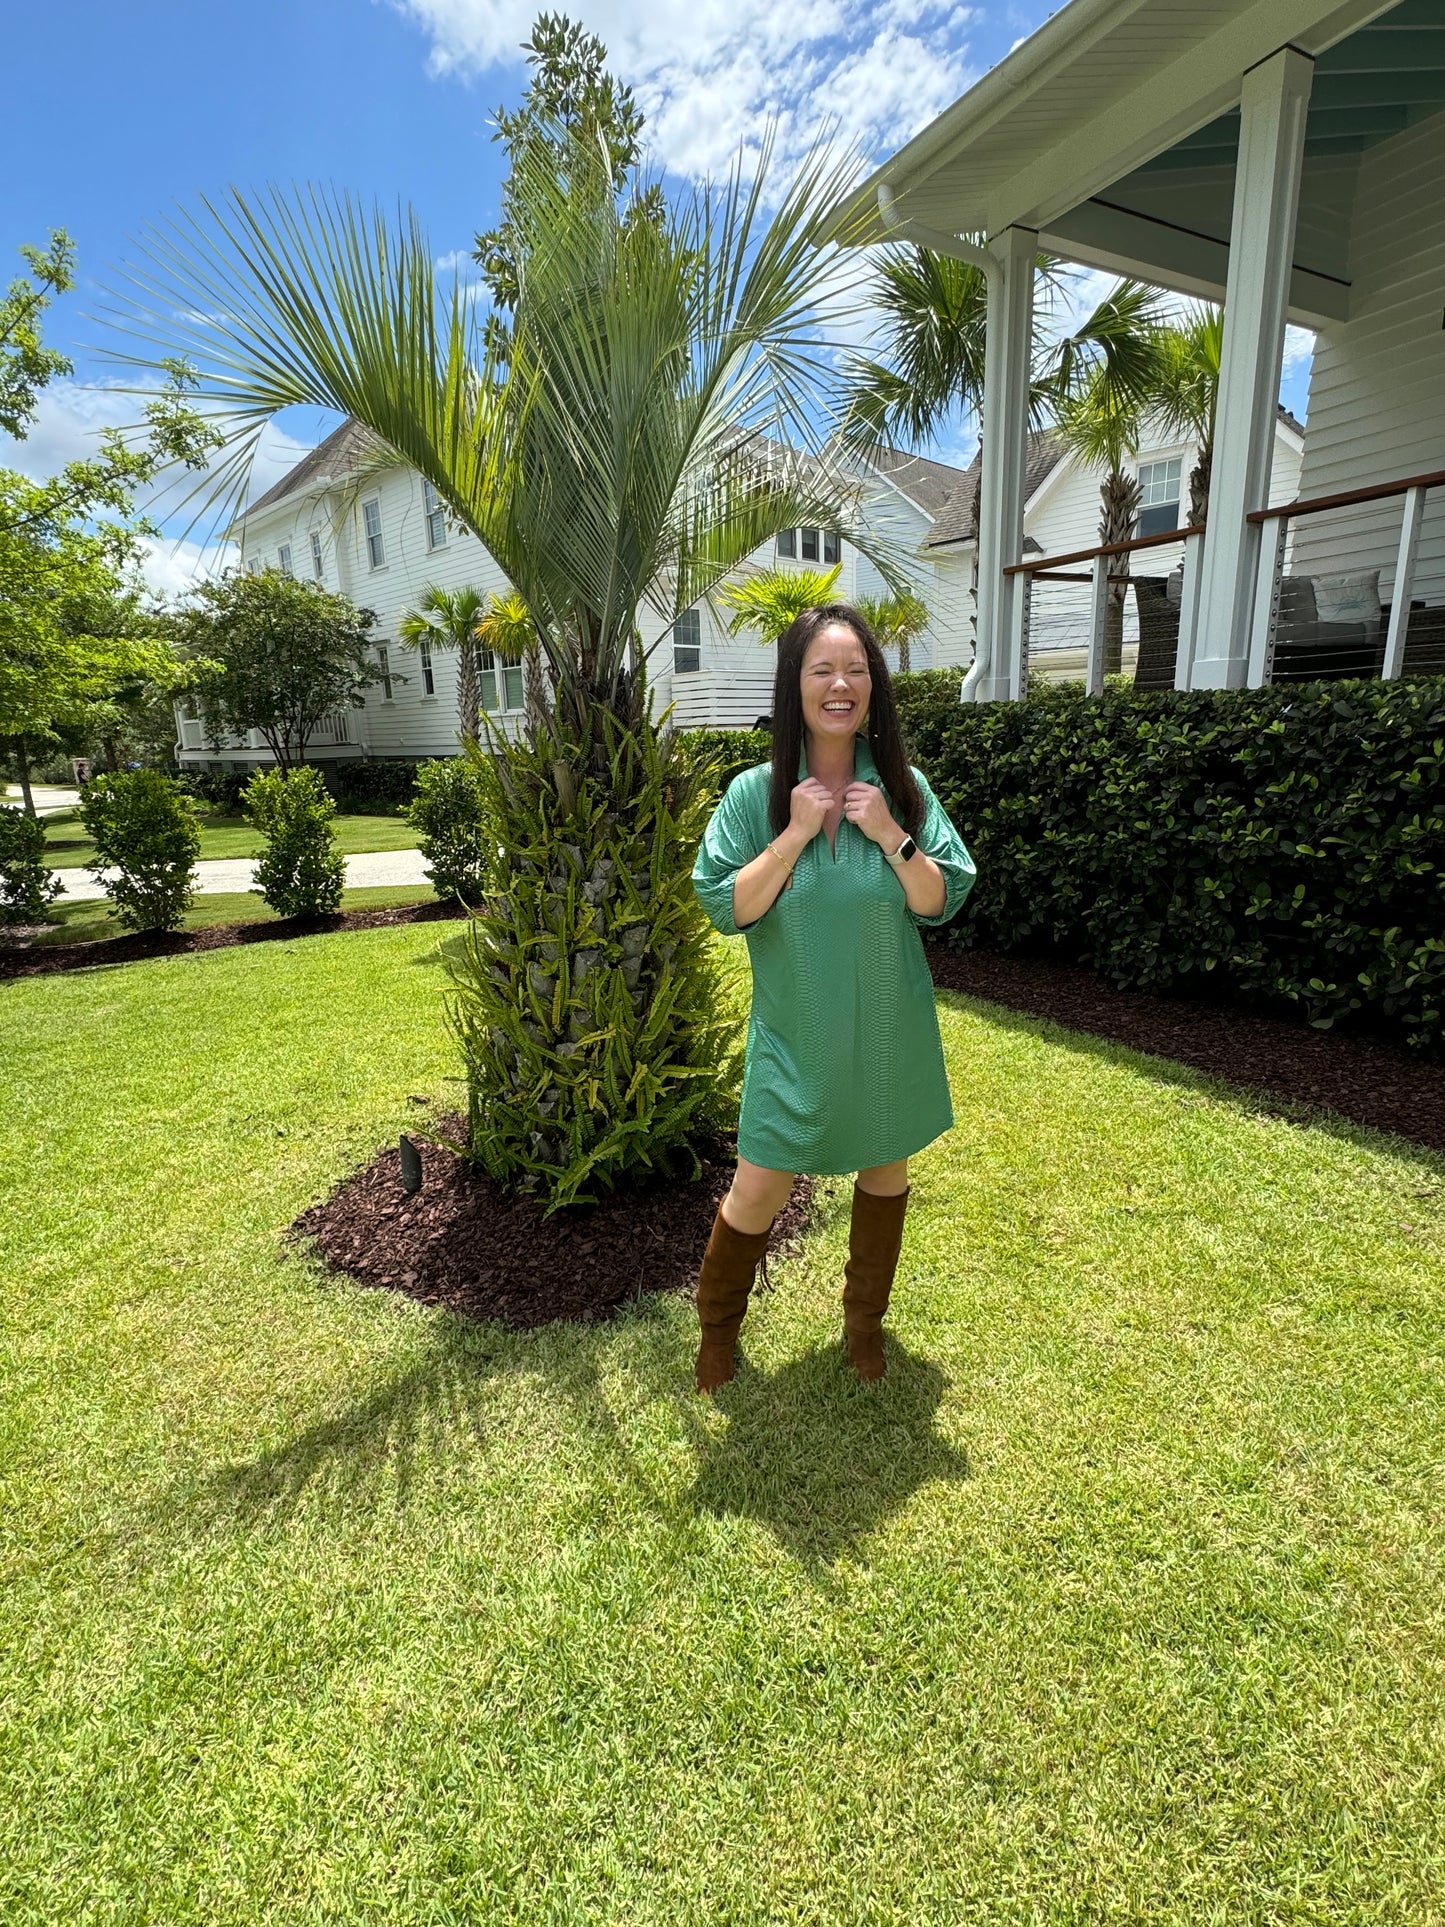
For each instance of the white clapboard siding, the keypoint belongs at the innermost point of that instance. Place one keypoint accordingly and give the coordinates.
(1377, 390)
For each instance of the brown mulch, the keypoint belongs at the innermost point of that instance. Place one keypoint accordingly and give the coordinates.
(1364, 1079)
(22, 961)
(462, 1242)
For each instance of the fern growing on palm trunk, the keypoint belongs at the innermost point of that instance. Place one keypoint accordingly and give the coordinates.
(589, 1013)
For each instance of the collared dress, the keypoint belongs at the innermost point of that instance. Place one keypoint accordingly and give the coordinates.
(844, 1064)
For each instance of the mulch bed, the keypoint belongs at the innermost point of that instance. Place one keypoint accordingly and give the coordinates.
(1364, 1079)
(463, 1243)
(20, 960)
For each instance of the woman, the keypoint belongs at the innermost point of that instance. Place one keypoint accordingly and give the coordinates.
(827, 859)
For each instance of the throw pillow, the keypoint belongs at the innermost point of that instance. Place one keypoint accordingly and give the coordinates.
(1349, 598)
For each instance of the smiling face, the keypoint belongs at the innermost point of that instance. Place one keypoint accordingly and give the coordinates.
(836, 684)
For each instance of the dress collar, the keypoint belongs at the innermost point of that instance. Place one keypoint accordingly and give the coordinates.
(865, 770)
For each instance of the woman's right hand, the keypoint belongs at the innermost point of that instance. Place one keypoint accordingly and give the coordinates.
(812, 801)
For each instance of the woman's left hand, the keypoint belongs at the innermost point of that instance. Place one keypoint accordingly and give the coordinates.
(867, 806)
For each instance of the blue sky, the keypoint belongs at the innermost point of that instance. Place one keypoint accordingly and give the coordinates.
(122, 113)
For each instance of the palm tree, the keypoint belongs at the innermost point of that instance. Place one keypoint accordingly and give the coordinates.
(1187, 390)
(623, 451)
(1105, 377)
(449, 619)
(897, 620)
(768, 601)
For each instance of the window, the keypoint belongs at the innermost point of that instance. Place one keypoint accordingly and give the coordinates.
(687, 643)
(809, 544)
(501, 677)
(436, 517)
(831, 545)
(283, 557)
(317, 568)
(253, 567)
(375, 547)
(1159, 484)
(428, 680)
(787, 542)
(383, 661)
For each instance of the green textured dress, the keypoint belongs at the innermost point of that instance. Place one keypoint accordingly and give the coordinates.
(844, 1062)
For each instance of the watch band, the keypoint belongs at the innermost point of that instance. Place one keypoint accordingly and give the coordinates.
(906, 849)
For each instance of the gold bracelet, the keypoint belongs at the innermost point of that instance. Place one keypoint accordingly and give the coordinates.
(781, 858)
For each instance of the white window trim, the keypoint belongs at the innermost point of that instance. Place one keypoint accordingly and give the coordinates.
(318, 561)
(371, 536)
(432, 511)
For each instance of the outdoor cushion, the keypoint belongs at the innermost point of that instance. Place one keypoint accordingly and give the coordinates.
(1349, 598)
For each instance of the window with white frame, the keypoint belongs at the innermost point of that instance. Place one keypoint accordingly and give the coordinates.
(383, 663)
(436, 517)
(1159, 491)
(813, 545)
(500, 679)
(375, 547)
(428, 680)
(253, 567)
(318, 567)
(283, 558)
(687, 643)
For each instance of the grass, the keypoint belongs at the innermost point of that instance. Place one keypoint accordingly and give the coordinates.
(1121, 1601)
(89, 921)
(68, 846)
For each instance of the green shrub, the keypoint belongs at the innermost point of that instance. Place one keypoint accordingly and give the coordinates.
(447, 817)
(375, 785)
(144, 828)
(300, 873)
(734, 749)
(1286, 842)
(219, 789)
(27, 886)
(585, 996)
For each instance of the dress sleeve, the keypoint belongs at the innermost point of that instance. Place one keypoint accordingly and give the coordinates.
(731, 841)
(939, 839)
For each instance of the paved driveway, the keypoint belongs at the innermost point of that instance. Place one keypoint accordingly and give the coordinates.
(375, 869)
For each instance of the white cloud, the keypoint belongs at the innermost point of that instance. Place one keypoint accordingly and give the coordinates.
(709, 73)
(172, 569)
(1299, 349)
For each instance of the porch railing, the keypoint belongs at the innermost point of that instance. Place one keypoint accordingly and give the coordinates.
(1057, 568)
(1274, 524)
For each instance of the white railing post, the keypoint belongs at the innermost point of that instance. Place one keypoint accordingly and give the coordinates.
(1188, 611)
(1409, 549)
(1265, 614)
(1098, 624)
(1017, 589)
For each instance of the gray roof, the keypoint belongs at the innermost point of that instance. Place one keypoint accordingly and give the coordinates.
(342, 449)
(932, 485)
(957, 521)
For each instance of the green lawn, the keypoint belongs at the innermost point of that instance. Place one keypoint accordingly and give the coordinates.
(90, 920)
(1121, 1601)
(67, 844)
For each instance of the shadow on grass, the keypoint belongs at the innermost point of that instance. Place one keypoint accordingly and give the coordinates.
(821, 1460)
(818, 1459)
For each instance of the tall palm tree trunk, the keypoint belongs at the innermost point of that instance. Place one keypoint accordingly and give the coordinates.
(1119, 496)
(469, 691)
(1199, 484)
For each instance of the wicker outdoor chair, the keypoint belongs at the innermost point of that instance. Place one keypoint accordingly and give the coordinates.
(1158, 632)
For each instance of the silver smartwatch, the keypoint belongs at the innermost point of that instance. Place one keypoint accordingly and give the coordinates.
(900, 856)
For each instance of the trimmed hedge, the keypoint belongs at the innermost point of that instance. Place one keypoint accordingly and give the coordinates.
(1286, 842)
(367, 786)
(738, 749)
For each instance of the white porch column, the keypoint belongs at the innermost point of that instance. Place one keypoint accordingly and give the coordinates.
(1007, 366)
(1261, 249)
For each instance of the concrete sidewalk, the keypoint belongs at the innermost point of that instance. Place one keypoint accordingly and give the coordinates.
(376, 869)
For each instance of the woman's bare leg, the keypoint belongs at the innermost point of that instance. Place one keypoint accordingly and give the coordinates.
(758, 1195)
(885, 1180)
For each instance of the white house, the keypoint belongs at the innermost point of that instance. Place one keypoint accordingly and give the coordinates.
(1061, 516)
(1285, 157)
(383, 543)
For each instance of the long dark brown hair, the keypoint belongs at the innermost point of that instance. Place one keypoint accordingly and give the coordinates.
(885, 736)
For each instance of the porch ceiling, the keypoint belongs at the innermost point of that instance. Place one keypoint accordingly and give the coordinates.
(1138, 104)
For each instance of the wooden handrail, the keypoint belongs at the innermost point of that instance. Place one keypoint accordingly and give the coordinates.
(1159, 541)
(1378, 492)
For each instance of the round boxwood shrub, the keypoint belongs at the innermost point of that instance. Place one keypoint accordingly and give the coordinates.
(301, 873)
(446, 814)
(146, 841)
(27, 886)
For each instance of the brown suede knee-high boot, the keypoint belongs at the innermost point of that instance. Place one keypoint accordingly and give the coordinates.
(723, 1285)
(875, 1239)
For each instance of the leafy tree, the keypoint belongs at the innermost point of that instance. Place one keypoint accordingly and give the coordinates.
(769, 600)
(1186, 390)
(897, 619)
(26, 365)
(280, 655)
(622, 452)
